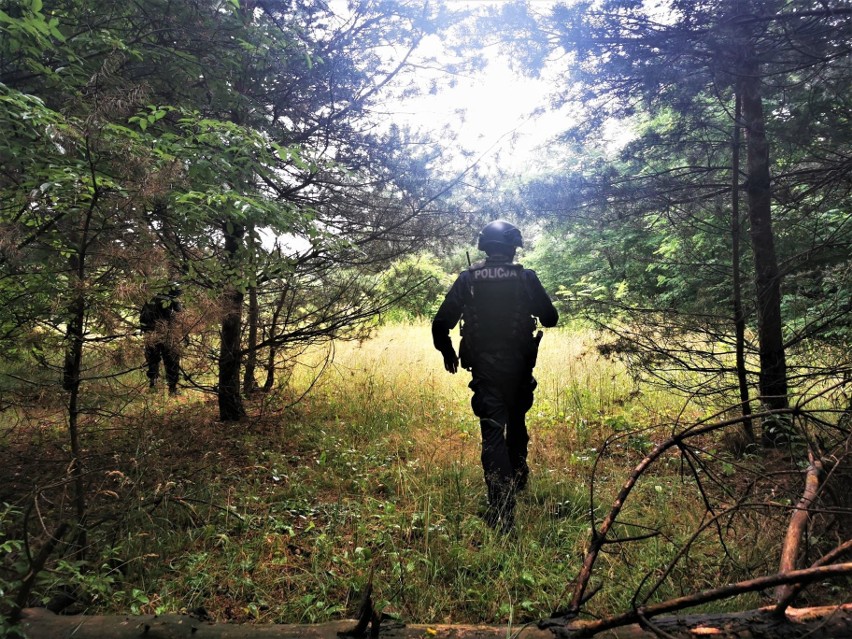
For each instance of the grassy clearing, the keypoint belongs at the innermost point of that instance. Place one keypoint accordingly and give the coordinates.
(284, 517)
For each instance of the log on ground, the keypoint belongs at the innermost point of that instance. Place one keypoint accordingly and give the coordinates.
(825, 622)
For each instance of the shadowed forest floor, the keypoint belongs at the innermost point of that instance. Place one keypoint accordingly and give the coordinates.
(283, 517)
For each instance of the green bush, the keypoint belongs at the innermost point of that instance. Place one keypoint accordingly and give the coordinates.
(417, 285)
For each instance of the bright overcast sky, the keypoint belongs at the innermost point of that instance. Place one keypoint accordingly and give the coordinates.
(497, 120)
(498, 105)
(490, 112)
(492, 115)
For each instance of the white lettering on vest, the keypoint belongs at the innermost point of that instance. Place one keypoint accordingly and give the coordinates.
(495, 273)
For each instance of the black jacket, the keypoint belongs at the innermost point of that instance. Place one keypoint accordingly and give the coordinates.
(459, 297)
(162, 308)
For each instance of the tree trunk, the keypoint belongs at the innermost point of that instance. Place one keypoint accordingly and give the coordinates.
(273, 350)
(231, 407)
(827, 622)
(71, 383)
(72, 372)
(249, 382)
(773, 366)
(739, 315)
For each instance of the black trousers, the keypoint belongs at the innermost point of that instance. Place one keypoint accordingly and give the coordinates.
(155, 352)
(503, 388)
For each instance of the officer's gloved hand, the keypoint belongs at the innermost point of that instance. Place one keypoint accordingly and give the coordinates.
(451, 361)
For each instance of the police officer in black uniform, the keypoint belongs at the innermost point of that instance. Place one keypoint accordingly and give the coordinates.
(498, 303)
(162, 342)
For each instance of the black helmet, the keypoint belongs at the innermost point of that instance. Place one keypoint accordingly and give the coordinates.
(499, 237)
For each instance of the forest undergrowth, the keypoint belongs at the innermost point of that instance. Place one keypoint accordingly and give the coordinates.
(368, 468)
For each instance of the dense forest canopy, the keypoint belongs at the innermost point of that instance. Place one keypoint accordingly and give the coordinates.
(247, 153)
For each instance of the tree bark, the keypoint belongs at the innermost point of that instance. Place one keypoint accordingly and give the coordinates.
(249, 382)
(273, 349)
(798, 524)
(231, 407)
(71, 374)
(736, 283)
(72, 370)
(827, 622)
(644, 614)
(773, 365)
(826, 560)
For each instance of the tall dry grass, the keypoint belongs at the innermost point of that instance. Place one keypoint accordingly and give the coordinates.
(376, 471)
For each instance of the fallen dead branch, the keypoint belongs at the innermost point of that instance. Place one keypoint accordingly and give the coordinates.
(826, 559)
(599, 533)
(798, 523)
(808, 575)
(827, 622)
(788, 582)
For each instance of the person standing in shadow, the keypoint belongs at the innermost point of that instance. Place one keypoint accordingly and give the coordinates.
(160, 329)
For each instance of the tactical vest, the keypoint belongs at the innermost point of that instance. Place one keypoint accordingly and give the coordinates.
(497, 312)
(160, 309)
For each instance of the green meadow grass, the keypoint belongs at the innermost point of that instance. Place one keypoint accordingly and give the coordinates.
(375, 471)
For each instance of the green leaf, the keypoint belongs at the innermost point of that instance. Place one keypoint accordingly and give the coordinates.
(54, 29)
